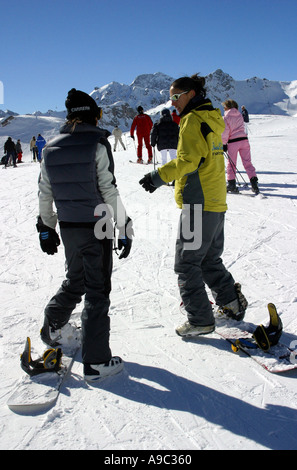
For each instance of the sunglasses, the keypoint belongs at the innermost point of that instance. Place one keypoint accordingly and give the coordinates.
(176, 96)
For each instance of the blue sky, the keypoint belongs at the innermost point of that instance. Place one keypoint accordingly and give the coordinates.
(50, 46)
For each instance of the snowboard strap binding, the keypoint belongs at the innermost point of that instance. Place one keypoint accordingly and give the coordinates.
(49, 362)
(266, 337)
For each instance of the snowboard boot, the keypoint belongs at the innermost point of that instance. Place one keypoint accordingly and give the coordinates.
(94, 372)
(254, 183)
(68, 336)
(150, 160)
(187, 330)
(139, 160)
(231, 187)
(237, 307)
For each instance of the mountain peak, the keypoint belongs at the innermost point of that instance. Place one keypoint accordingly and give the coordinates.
(156, 81)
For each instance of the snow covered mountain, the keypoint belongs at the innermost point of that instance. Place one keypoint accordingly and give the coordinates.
(259, 96)
(119, 101)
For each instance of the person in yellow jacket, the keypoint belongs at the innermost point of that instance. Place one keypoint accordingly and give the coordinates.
(200, 191)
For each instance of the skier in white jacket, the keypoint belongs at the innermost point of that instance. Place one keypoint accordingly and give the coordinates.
(117, 133)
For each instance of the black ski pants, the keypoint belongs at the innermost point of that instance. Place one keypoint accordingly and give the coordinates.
(202, 265)
(88, 272)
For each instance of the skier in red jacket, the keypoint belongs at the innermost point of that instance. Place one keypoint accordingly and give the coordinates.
(175, 117)
(143, 124)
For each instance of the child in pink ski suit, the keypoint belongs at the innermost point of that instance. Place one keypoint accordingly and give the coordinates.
(235, 137)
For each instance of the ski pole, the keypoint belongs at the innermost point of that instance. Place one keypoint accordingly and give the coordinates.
(235, 168)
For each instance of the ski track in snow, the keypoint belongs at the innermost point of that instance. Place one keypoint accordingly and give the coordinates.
(174, 394)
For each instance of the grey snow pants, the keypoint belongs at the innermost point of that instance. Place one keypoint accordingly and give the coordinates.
(88, 272)
(203, 265)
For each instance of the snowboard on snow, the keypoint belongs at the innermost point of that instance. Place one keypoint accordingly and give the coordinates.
(260, 343)
(40, 388)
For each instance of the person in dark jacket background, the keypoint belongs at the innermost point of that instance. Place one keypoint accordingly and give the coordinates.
(246, 117)
(10, 150)
(164, 134)
(77, 174)
(245, 114)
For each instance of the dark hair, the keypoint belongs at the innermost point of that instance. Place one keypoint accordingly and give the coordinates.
(194, 82)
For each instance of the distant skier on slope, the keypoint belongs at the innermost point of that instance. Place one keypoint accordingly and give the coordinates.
(235, 140)
(246, 117)
(143, 124)
(10, 150)
(19, 151)
(40, 143)
(175, 117)
(117, 133)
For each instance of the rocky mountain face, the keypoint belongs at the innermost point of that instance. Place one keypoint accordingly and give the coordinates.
(120, 101)
(260, 96)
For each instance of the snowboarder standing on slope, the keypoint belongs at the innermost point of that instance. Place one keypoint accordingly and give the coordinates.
(143, 124)
(77, 174)
(235, 140)
(200, 188)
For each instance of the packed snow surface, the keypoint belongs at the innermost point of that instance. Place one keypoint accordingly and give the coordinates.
(174, 394)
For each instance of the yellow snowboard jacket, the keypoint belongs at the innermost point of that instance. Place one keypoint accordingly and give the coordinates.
(199, 168)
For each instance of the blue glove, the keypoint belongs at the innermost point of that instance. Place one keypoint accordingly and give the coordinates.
(48, 237)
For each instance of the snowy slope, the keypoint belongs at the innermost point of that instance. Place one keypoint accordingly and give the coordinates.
(173, 394)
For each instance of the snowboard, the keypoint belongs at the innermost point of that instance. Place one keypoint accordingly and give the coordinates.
(37, 392)
(275, 359)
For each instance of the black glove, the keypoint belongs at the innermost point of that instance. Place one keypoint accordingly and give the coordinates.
(225, 148)
(132, 137)
(48, 237)
(147, 183)
(125, 239)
